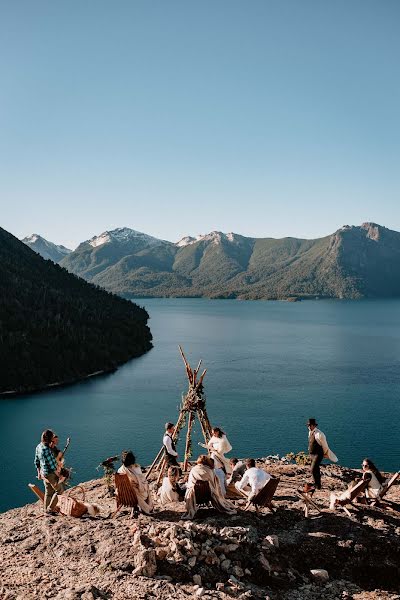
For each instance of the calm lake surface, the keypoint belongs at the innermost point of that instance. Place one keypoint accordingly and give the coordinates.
(270, 366)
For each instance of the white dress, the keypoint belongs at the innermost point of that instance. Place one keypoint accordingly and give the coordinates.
(374, 487)
(167, 493)
(218, 446)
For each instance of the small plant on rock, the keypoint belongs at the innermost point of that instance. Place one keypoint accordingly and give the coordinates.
(300, 458)
(109, 470)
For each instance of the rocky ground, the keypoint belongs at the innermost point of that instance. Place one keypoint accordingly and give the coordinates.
(241, 556)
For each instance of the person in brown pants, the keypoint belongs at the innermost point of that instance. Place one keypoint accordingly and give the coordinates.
(47, 469)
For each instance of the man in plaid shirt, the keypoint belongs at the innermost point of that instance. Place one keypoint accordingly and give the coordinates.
(47, 469)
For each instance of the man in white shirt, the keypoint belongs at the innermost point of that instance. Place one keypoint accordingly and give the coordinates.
(253, 480)
(169, 445)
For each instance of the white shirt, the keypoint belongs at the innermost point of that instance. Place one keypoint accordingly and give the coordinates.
(256, 478)
(168, 444)
(320, 438)
(374, 487)
(238, 471)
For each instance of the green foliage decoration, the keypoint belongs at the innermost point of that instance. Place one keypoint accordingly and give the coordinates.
(300, 458)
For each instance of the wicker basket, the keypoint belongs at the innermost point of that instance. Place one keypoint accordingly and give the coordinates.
(70, 506)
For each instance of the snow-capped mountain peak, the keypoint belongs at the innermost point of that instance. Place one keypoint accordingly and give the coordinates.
(46, 249)
(32, 238)
(215, 237)
(123, 235)
(186, 241)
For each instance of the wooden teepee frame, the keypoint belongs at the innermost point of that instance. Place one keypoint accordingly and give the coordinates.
(193, 404)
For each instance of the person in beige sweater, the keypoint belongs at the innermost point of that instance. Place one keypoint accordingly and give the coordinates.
(204, 471)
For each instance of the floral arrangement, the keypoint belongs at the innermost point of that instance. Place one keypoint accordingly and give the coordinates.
(108, 467)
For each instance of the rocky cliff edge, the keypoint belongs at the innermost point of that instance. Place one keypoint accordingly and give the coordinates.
(247, 555)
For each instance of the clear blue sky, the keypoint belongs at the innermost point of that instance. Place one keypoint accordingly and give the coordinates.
(176, 117)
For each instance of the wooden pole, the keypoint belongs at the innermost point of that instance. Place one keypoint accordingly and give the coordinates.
(200, 380)
(188, 438)
(205, 425)
(187, 365)
(195, 372)
(153, 464)
(162, 469)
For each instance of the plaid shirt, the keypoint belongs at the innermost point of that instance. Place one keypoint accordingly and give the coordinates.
(45, 459)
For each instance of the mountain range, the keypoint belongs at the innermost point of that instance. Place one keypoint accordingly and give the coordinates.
(353, 262)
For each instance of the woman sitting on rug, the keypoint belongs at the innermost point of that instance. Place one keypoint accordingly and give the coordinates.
(171, 490)
(204, 471)
(137, 480)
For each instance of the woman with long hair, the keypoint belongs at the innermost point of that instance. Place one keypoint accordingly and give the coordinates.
(218, 446)
(374, 477)
(171, 490)
(137, 480)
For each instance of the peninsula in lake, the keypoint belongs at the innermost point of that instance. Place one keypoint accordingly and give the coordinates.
(55, 327)
(354, 262)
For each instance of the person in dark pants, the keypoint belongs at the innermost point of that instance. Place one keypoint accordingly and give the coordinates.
(169, 446)
(316, 451)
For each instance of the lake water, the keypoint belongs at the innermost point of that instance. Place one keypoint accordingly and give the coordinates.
(270, 366)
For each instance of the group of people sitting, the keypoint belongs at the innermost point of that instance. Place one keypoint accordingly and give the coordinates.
(227, 479)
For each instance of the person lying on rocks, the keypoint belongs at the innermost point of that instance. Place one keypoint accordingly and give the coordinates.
(171, 490)
(253, 480)
(204, 471)
(137, 479)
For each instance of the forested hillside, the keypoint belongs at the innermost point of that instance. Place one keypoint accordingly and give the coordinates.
(55, 327)
(353, 262)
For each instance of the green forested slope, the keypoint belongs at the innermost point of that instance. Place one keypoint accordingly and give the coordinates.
(55, 327)
(353, 262)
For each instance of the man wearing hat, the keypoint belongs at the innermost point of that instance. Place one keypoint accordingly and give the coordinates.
(318, 449)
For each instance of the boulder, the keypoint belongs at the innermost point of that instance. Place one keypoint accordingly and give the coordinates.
(320, 575)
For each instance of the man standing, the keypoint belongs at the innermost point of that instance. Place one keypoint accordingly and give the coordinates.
(318, 449)
(253, 480)
(168, 442)
(47, 469)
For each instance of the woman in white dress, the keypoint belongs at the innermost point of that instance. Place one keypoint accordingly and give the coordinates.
(218, 446)
(374, 477)
(171, 490)
(137, 480)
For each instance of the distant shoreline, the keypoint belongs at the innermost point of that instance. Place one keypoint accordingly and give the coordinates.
(57, 384)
